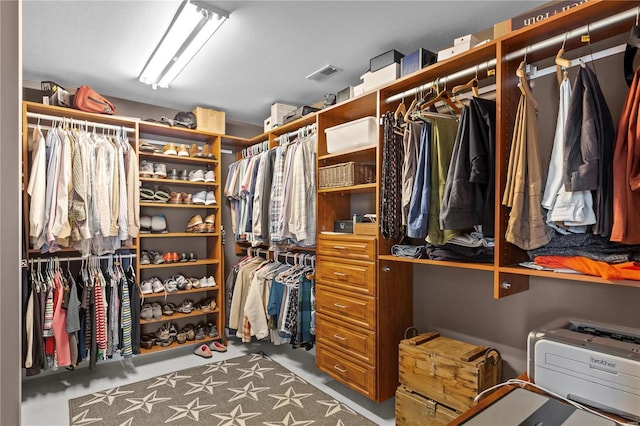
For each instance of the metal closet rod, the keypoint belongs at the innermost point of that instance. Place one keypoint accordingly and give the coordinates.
(102, 257)
(550, 42)
(307, 128)
(88, 123)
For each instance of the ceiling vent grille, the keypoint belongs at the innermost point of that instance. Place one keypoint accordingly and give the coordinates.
(323, 73)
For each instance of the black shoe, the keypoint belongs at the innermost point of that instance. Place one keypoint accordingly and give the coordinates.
(173, 174)
(184, 258)
(192, 257)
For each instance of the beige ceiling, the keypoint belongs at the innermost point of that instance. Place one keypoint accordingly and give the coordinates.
(260, 56)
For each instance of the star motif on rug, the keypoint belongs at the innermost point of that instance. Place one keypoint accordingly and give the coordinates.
(255, 371)
(107, 396)
(191, 410)
(256, 357)
(169, 380)
(219, 366)
(290, 378)
(128, 422)
(145, 404)
(289, 420)
(235, 418)
(249, 391)
(82, 419)
(335, 406)
(206, 385)
(289, 397)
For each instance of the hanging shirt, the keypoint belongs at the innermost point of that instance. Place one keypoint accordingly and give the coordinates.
(37, 185)
(421, 194)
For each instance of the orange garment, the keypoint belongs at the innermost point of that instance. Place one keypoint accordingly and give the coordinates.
(609, 271)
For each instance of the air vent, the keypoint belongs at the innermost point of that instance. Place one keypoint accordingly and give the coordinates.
(323, 73)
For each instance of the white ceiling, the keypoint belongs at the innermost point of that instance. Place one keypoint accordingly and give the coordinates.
(261, 55)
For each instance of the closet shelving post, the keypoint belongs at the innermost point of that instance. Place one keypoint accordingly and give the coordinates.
(363, 304)
(207, 246)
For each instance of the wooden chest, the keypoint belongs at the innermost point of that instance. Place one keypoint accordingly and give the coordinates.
(414, 409)
(446, 370)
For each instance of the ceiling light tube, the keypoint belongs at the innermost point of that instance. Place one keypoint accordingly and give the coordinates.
(194, 24)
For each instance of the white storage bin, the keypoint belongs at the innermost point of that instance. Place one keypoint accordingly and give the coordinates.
(351, 135)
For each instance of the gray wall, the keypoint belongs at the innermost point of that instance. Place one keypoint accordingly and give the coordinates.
(10, 202)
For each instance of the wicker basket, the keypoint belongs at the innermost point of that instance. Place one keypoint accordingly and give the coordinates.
(345, 174)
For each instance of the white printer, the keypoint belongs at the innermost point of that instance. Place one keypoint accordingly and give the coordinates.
(588, 362)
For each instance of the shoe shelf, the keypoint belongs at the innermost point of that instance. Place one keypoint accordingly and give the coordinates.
(179, 315)
(179, 206)
(180, 234)
(174, 159)
(178, 264)
(162, 294)
(176, 345)
(176, 181)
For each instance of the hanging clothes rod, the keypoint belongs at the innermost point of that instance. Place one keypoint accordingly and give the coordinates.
(583, 59)
(550, 42)
(308, 129)
(102, 257)
(85, 122)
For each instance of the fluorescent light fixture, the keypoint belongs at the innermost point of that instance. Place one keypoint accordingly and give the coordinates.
(194, 24)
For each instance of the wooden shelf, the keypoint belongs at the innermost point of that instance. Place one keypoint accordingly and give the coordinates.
(177, 182)
(183, 264)
(178, 315)
(180, 234)
(176, 345)
(178, 160)
(365, 187)
(358, 155)
(450, 264)
(162, 295)
(520, 270)
(178, 206)
(150, 128)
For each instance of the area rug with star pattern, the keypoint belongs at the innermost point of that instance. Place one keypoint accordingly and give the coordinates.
(243, 391)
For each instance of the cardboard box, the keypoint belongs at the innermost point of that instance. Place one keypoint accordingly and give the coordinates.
(373, 80)
(417, 60)
(501, 28)
(468, 41)
(384, 60)
(209, 120)
(448, 371)
(413, 409)
(450, 52)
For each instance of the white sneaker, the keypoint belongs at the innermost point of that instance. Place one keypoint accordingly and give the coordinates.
(146, 168)
(200, 197)
(157, 285)
(211, 282)
(196, 176)
(145, 287)
(204, 282)
(210, 198)
(209, 176)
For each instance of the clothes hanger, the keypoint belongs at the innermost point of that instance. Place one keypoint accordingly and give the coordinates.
(402, 109)
(446, 98)
(633, 43)
(523, 84)
(561, 63)
(472, 84)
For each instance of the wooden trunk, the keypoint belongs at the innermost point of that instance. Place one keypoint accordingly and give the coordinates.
(447, 370)
(414, 409)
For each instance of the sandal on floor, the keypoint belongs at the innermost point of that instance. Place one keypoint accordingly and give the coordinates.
(203, 351)
(217, 346)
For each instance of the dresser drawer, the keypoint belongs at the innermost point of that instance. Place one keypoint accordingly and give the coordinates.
(351, 275)
(360, 378)
(359, 248)
(349, 342)
(358, 310)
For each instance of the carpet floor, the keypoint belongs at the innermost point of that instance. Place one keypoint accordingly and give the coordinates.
(248, 390)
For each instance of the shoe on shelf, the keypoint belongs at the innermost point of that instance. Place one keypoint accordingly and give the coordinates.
(207, 305)
(181, 337)
(156, 257)
(170, 149)
(144, 257)
(146, 147)
(217, 346)
(200, 197)
(146, 288)
(186, 307)
(195, 283)
(203, 351)
(170, 286)
(210, 198)
(196, 224)
(162, 194)
(190, 329)
(157, 285)
(166, 258)
(172, 174)
(183, 257)
(183, 151)
(175, 198)
(194, 151)
(146, 168)
(159, 224)
(183, 282)
(168, 309)
(145, 224)
(156, 309)
(207, 152)
(183, 174)
(193, 257)
(147, 192)
(196, 175)
(210, 221)
(186, 198)
(200, 331)
(211, 282)
(146, 313)
(147, 341)
(203, 282)
(209, 176)
(212, 330)
(159, 170)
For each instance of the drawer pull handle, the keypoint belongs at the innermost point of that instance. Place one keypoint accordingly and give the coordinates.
(337, 305)
(340, 274)
(337, 336)
(342, 370)
(339, 247)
